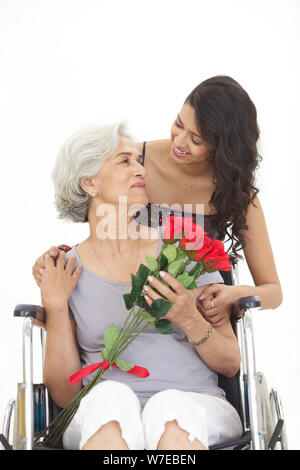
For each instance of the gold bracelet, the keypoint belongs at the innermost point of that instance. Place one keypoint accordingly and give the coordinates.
(204, 338)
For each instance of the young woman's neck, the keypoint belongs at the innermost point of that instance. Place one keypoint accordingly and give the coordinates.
(194, 169)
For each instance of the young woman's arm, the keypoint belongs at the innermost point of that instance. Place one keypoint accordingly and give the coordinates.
(259, 256)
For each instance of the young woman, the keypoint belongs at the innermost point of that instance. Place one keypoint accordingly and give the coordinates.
(211, 159)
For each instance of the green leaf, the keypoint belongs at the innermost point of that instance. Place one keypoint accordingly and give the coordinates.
(143, 272)
(191, 255)
(160, 307)
(123, 365)
(164, 326)
(192, 286)
(172, 241)
(105, 353)
(137, 286)
(163, 262)
(140, 301)
(210, 267)
(175, 267)
(185, 279)
(152, 263)
(181, 253)
(128, 301)
(110, 335)
(148, 317)
(170, 253)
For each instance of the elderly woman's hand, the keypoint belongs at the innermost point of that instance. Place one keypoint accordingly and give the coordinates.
(184, 311)
(216, 303)
(58, 282)
(39, 266)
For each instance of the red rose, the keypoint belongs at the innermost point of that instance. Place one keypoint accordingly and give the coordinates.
(173, 228)
(219, 256)
(193, 235)
(206, 247)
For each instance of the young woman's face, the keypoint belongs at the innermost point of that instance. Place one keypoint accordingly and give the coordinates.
(187, 144)
(123, 175)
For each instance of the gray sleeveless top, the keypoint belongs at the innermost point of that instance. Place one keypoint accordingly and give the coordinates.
(171, 360)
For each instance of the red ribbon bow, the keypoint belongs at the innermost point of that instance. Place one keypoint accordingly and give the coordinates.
(136, 370)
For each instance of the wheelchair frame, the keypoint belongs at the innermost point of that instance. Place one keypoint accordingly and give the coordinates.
(259, 432)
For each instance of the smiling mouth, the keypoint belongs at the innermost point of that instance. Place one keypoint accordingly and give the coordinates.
(179, 153)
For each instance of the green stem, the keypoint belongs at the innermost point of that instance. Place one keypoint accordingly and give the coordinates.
(195, 268)
(123, 337)
(139, 332)
(116, 344)
(124, 343)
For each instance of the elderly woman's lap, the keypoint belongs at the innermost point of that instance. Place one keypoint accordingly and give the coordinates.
(107, 401)
(209, 419)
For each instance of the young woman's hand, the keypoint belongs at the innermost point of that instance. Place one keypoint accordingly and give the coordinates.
(39, 266)
(58, 282)
(216, 303)
(184, 310)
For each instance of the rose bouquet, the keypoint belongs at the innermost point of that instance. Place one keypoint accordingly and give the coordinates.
(184, 242)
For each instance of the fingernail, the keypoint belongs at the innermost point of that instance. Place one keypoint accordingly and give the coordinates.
(146, 288)
(202, 297)
(41, 271)
(150, 278)
(162, 273)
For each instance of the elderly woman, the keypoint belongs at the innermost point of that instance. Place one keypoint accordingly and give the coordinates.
(179, 406)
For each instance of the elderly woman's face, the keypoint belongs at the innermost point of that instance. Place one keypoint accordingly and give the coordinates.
(123, 175)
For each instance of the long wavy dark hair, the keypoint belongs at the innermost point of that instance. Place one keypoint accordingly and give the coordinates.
(227, 119)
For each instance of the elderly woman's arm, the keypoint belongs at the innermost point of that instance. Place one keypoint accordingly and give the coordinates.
(62, 356)
(221, 351)
(62, 353)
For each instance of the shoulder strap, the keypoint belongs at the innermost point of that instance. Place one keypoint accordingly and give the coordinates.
(144, 152)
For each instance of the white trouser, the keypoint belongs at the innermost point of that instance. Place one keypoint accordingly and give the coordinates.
(209, 419)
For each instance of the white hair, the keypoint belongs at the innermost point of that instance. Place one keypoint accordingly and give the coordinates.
(82, 156)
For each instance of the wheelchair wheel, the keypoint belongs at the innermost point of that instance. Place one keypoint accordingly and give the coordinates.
(265, 417)
(5, 435)
(278, 416)
(270, 416)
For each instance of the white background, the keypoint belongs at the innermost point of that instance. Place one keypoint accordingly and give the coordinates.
(69, 63)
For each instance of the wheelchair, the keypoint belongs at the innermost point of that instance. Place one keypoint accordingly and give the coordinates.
(260, 411)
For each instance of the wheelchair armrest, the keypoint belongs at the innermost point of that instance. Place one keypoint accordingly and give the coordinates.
(36, 312)
(252, 301)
